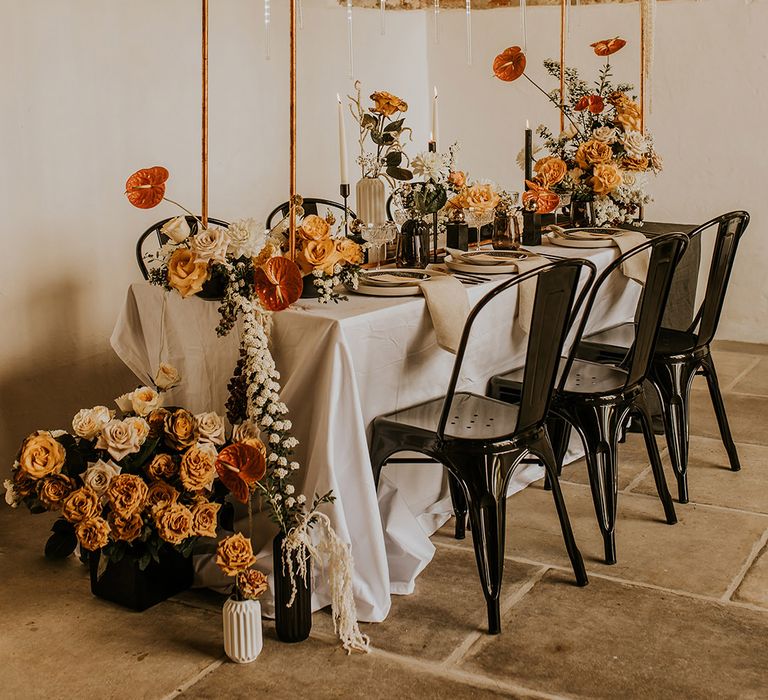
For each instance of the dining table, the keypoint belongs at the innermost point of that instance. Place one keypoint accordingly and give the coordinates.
(341, 365)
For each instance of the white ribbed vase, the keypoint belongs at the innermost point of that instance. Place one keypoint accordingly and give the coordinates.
(242, 630)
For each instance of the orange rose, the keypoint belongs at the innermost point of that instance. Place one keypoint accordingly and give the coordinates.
(204, 519)
(628, 116)
(606, 178)
(235, 554)
(187, 274)
(387, 104)
(41, 455)
(349, 251)
(636, 164)
(318, 255)
(126, 529)
(551, 170)
(127, 494)
(481, 197)
(197, 469)
(92, 534)
(593, 152)
(173, 522)
(251, 584)
(81, 505)
(457, 178)
(156, 421)
(161, 493)
(52, 490)
(180, 429)
(162, 466)
(314, 228)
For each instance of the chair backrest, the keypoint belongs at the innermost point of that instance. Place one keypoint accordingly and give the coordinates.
(554, 308)
(310, 206)
(730, 228)
(161, 238)
(666, 252)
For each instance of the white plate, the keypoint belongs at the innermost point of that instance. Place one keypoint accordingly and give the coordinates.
(404, 290)
(581, 238)
(501, 269)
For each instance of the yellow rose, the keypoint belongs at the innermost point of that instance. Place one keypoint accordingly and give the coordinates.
(161, 493)
(251, 584)
(81, 505)
(204, 519)
(606, 178)
(235, 554)
(314, 228)
(93, 534)
(318, 255)
(162, 466)
(550, 170)
(349, 251)
(636, 164)
(197, 469)
(481, 197)
(41, 455)
(187, 274)
(52, 490)
(593, 152)
(628, 115)
(126, 529)
(127, 494)
(387, 104)
(180, 429)
(173, 522)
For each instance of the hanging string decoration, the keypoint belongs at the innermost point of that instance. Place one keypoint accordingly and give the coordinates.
(469, 31)
(647, 36)
(382, 10)
(349, 40)
(436, 14)
(267, 22)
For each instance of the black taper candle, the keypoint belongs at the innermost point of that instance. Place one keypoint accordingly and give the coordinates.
(528, 154)
(432, 146)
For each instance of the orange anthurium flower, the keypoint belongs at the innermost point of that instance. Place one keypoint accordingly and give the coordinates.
(240, 465)
(540, 199)
(278, 283)
(608, 46)
(146, 188)
(509, 65)
(594, 103)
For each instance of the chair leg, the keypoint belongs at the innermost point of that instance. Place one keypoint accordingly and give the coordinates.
(459, 501)
(646, 423)
(547, 455)
(599, 427)
(559, 433)
(672, 381)
(708, 366)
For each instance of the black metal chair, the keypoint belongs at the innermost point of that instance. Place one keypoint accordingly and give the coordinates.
(310, 206)
(680, 355)
(162, 239)
(597, 399)
(481, 441)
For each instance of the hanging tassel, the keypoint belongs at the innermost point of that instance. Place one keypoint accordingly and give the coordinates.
(469, 31)
(267, 22)
(647, 42)
(524, 24)
(349, 39)
(436, 14)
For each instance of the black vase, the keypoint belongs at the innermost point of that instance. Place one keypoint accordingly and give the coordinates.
(291, 624)
(582, 214)
(308, 289)
(413, 244)
(122, 582)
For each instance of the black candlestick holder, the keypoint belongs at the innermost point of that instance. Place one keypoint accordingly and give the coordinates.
(344, 192)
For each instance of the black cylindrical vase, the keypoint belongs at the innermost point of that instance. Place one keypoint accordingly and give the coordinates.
(291, 624)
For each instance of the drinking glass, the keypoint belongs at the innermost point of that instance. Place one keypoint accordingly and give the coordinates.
(477, 218)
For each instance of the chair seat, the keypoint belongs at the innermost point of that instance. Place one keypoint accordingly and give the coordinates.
(617, 340)
(473, 417)
(584, 377)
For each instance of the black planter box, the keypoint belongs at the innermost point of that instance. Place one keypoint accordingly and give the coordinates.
(124, 583)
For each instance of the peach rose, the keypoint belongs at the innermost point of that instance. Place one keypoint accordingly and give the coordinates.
(161, 493)
(180, 429)
(593, 152)
(235, 554)
(186, 273)
(127, 494)
(53, 490)
(88, 422)
(93, 534)
(173, 522)
(41, 455)
(204, 519)
(314, 228)
(210, 245)
(628, 115)
(162, 466)
(318, 255)
(197, 469)
(550, 170)
(457, 178)
(126, 529)
(82, 504)
(606, 178)
(251, 583)
(349, 251)
(635, 164)
(387, 104)
(481, 197)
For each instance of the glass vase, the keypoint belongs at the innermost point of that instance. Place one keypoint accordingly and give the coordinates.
(506, 231)
(581, 213)
(413, 244)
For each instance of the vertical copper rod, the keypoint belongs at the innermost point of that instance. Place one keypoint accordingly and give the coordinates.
(562, 64)
(204, 211)
(642, 69)
(292, 211)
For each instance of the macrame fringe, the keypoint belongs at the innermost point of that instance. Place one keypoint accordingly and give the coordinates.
(331, 549)
(648, 23)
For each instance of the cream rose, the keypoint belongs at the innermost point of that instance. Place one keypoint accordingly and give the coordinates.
(41, 455)
(211, 245)
(173, 522)
(99, 475)
(121, 438)
(93, 534)
(124, 402)
(177, 229)
(197, 469)
(186, 272)
(606, 178)
(82, 504)
(204, 519)
(243, 431)
(211, 427)
(634, 143)
(604, 134)
(88, 422)
(127, 494)
(314, 228)
(167, 377)
(145, 400)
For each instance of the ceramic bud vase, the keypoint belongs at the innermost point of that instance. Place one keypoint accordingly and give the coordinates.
(294, 623)
(370, 201)
(242, 630)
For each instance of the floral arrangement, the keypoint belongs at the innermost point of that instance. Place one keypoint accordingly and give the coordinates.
(604, 156)
(126, 485)
(385, 127)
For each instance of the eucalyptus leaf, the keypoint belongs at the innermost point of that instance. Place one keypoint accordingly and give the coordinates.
(394, 126)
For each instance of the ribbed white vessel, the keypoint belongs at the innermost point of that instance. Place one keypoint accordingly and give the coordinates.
(242, 630)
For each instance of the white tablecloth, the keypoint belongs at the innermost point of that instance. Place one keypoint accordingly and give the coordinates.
(341, 366)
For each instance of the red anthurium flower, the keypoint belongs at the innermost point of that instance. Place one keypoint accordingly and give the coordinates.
(146, 188)
(509, 65)
(278, 283)
(540, 199)
(608, 46)
(240, 465)
(594, 103)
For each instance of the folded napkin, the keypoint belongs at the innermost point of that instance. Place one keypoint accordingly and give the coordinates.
(527, 291)
(489, 258)
(389, 279)
(448, 306)
(636, 268)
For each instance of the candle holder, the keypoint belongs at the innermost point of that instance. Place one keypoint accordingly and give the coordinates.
(432, 146)
(531, 228)
(344, 191)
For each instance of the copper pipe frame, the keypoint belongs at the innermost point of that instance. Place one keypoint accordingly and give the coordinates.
(562, 65)
(204, 211)
(642, 70)
(292, 210)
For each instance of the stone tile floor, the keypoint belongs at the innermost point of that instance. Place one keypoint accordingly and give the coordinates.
(684, 614)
